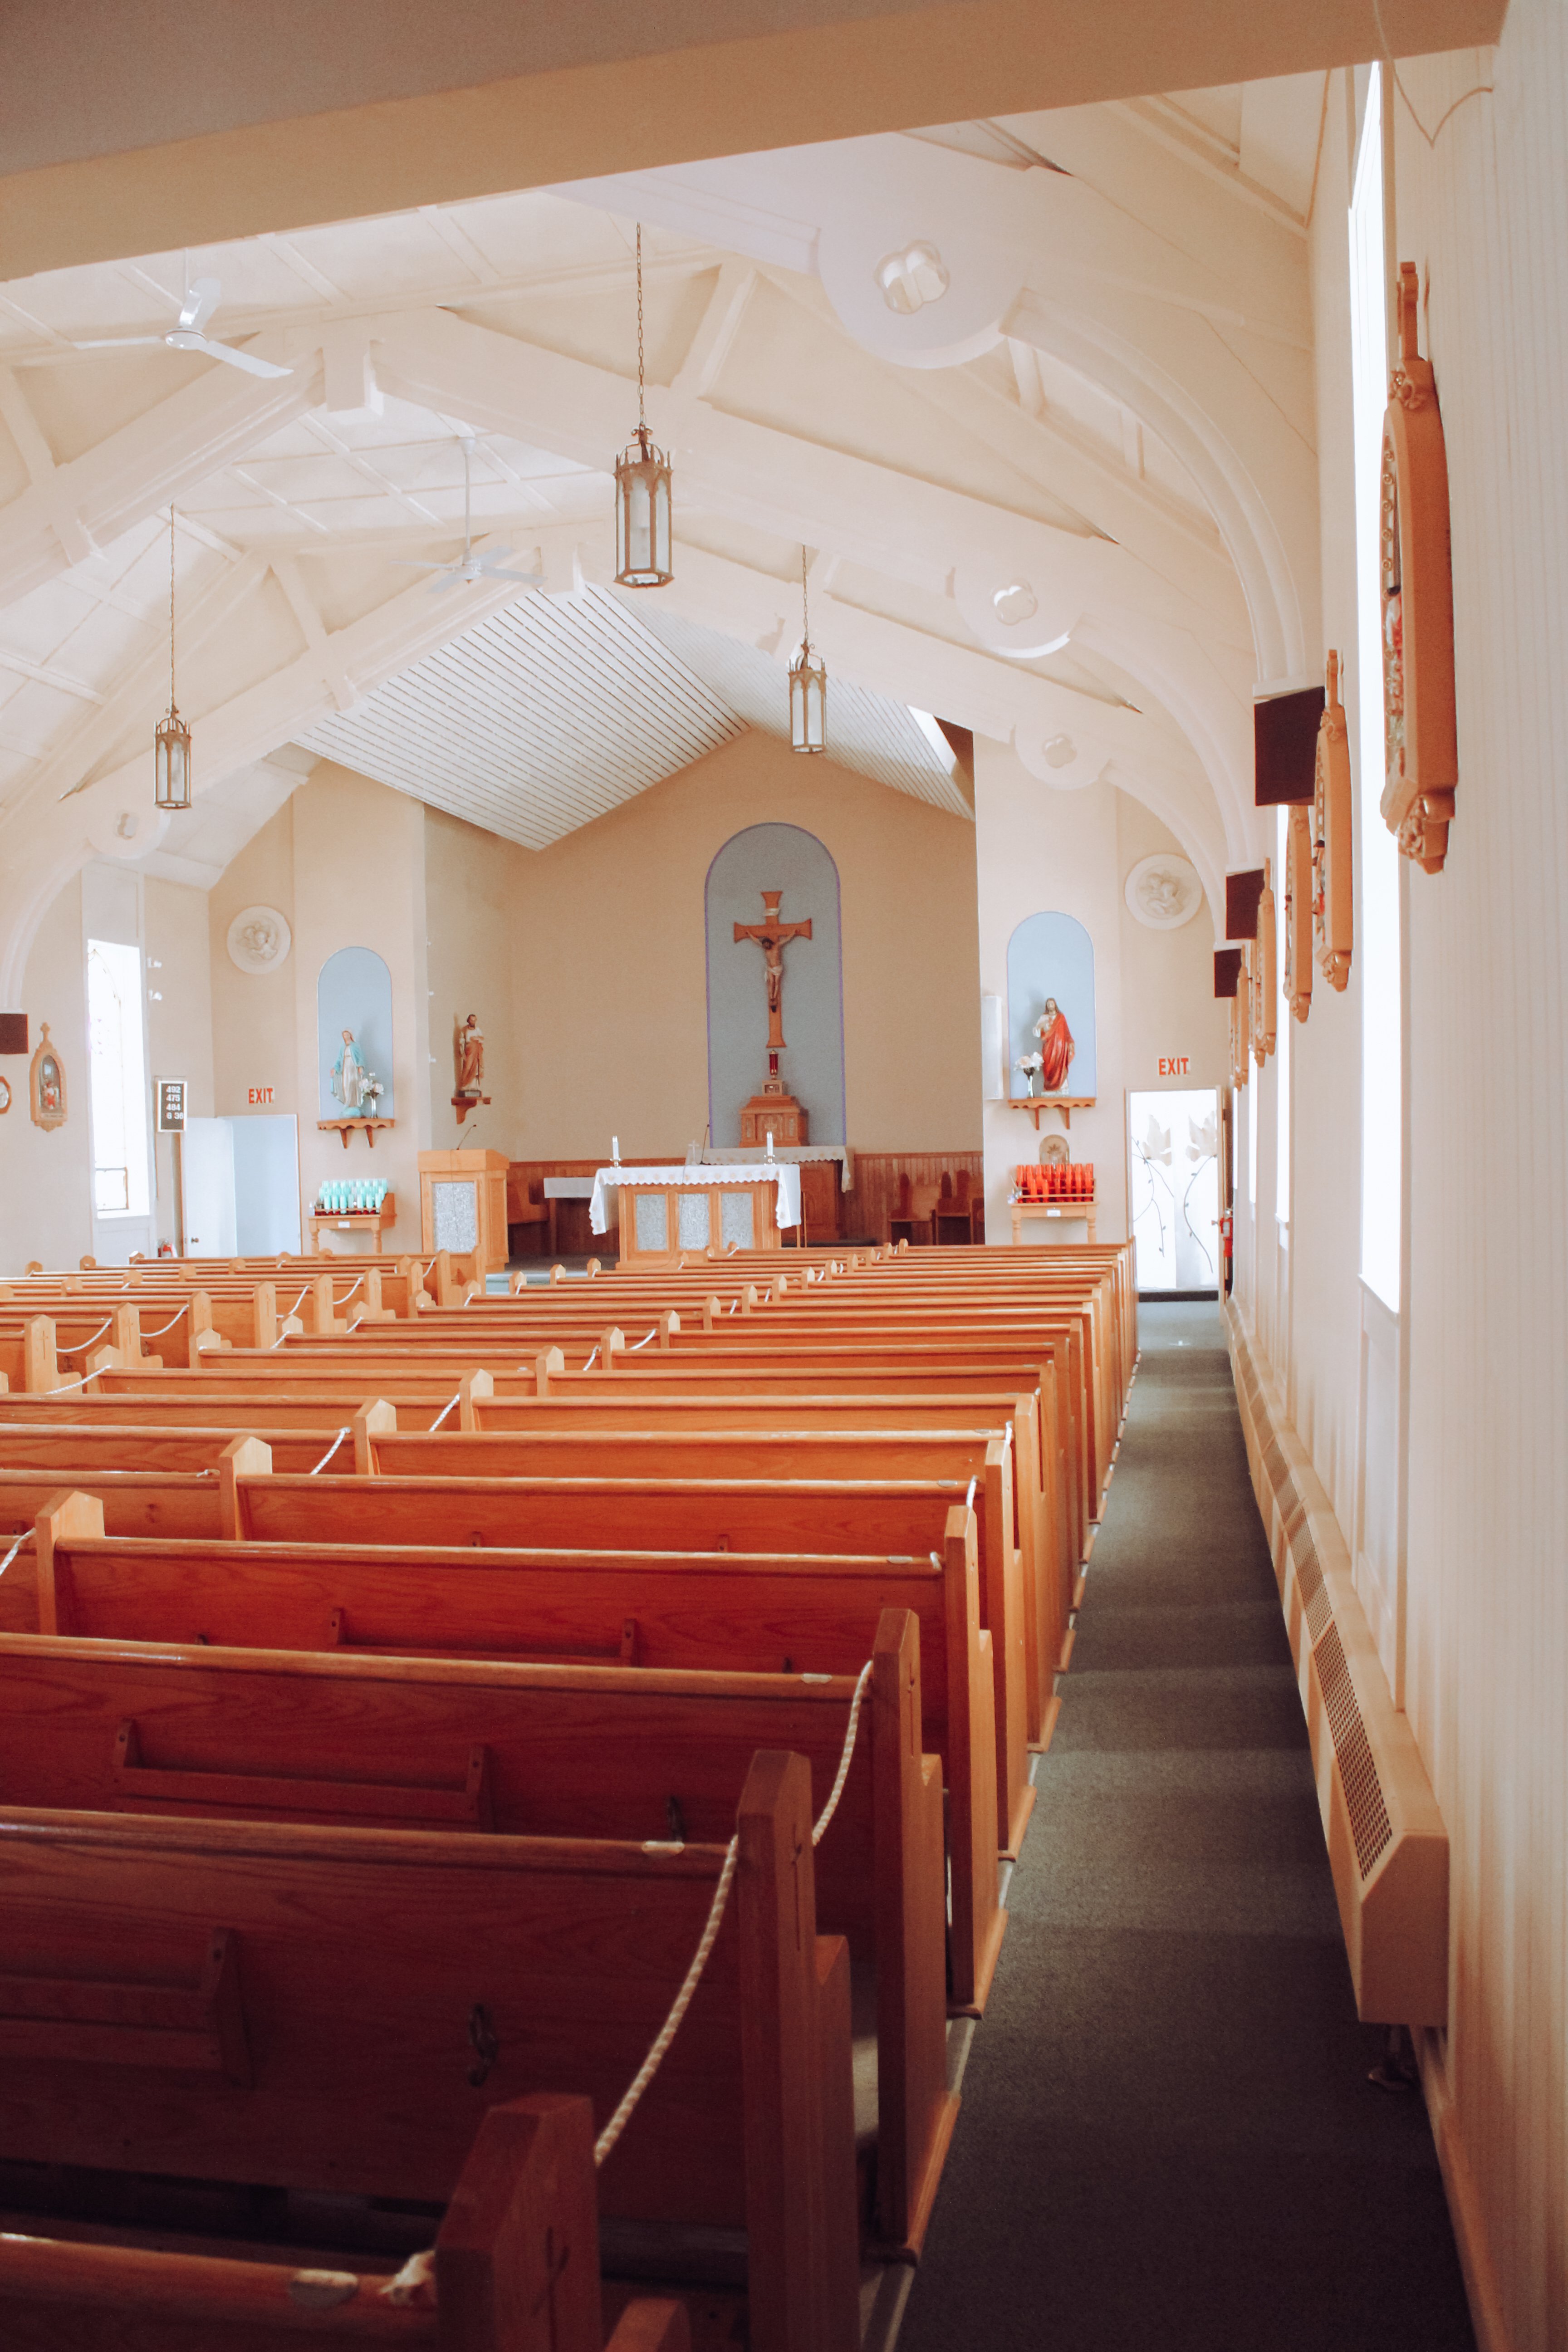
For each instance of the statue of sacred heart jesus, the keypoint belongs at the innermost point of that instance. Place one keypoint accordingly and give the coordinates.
(773, 1112)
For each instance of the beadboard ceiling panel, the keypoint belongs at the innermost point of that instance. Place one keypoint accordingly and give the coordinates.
(869, 732)
(549, 714)
(555, 710)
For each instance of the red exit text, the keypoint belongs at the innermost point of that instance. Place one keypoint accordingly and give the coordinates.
(1171, 1066)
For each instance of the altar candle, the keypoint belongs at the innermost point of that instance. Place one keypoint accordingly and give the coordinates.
(615, 1149)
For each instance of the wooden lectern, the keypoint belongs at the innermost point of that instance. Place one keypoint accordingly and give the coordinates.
(462, 1203)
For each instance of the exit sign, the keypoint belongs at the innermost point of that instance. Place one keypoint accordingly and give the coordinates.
(256, 1095)
(1173, 1065)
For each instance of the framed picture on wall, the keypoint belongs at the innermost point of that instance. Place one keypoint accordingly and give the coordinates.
(46, 1083)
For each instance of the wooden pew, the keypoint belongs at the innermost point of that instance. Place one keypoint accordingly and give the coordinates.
(728, 1611)
(534, 1751)
(271, 2003)
(49, 1443)
(898, 1517)
(517, 2251)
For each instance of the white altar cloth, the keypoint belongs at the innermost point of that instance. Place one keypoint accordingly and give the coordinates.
(736, 1155)
(786, 1211)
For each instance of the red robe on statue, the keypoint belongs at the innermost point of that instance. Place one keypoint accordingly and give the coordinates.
(1056, 1050)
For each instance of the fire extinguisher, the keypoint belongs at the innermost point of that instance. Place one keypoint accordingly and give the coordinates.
(1226, 1225)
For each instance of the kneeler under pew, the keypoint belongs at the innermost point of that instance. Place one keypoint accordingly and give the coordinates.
(335, 2010)
(516, 2269)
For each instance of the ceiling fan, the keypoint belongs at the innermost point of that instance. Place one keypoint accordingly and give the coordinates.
(201, 300)
(471, 567)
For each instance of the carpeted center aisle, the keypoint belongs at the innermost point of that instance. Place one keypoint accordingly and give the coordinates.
(1168, 2139)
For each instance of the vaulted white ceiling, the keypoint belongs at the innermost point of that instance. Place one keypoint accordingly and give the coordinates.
(1070, 503)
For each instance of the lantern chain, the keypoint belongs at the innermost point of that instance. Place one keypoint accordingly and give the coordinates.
(170, 608)
(642, 413)
(805, 608)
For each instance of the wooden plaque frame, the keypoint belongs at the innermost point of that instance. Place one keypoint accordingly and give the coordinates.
(1333, 831)
(1298, 980)
(1265, 972)
(46, 1095)
(1241, 1023)
(1421, 759)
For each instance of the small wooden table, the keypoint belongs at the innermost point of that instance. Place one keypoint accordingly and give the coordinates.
(1064, 1208)
(354, 1221)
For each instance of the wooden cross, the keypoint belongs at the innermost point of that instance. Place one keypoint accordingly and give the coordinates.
(772, 936)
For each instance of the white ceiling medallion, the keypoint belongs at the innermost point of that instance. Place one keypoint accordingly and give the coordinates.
(1164, 891)
(934, 300)
(911, 279)
(1068, 762)
(1010, 612)
(121, 830)
(259, 939)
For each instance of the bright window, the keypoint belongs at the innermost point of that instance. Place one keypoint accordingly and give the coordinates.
(1377, 937)
(119, 1066)
(1283, 1017)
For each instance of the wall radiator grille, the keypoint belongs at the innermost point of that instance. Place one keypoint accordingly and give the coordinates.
(1387, 1847)
(1370, 1824)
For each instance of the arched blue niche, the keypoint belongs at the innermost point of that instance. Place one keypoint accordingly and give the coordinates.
(786, 858)
(1051, 955)
(353, 992)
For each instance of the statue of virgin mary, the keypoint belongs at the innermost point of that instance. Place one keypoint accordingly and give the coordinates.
(348, 1074)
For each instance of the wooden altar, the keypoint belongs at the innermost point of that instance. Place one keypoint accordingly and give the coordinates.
(688, 1210)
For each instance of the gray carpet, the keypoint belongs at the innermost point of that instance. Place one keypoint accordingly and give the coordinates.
(1168, 2139)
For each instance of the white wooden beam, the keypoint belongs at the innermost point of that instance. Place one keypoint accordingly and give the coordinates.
(140, 468)
(287, 574)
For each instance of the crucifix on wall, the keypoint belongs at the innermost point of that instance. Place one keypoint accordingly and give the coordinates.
(772, 934)
(773, 1112)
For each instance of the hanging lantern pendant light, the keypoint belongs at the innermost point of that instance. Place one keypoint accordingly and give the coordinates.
(643, 554)
(171, 788)
(808, 686)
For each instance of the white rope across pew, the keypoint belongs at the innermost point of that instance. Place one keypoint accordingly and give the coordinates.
(644, 1342)
(831, 1806)
(592, 1361)
(80, 1381)
(88, 1342)
(682, 2002)
(287, 1313)
(330, 1452)
(679, 2007)
(164, 1326)
(445, 1409)
(15, 1548)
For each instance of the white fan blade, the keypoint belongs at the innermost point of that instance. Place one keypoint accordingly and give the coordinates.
(181, 342)
(113, 342)
(200, 302)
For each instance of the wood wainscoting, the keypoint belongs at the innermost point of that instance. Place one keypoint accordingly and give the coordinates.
(862, 1213)
(874, 1198)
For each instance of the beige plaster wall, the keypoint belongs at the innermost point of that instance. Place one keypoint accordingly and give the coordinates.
(1154, 990)
(344, 861)
(179, 1020)
(45, 1192)
(1168, 1006)
(610, 967)
(472, 918)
